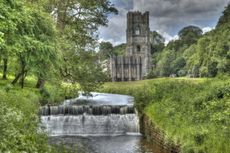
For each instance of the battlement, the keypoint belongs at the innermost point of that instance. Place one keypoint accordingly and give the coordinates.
(137, 17)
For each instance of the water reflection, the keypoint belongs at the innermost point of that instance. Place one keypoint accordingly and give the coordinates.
(116, 144)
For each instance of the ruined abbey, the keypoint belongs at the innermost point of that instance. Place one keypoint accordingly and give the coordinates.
(136, 64)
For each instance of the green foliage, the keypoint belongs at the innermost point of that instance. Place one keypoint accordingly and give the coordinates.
(210, 55)
(190, 34)
(164, 66)
(157, 42)
(19, 122)
(194, 113)
(33, 45)
(77, 39)
(88, 74)
(105, 50)
(119, 49)
(225, 18)
(172, 59)
(197, 55)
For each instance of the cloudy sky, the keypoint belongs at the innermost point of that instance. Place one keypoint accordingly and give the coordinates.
(166, 16)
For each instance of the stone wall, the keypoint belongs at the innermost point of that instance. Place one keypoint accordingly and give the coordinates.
(155, 136)
(126, 68)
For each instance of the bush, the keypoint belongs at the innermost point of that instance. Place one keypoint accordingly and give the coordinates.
(19, 123)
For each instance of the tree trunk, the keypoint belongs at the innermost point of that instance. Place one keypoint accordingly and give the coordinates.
(17, 77)
(23, 76)
(40, 83)
(22, 81)
(5, 65)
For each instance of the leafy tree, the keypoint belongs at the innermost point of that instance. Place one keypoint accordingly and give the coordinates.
(211, 53)
(157, 42)
(119, 49)
(106, 50)
(88, 74)
(36, 51)
(77, 22)
(10, 15)
(189, 35)
(225, 18)
(178, 64)
(164, 66)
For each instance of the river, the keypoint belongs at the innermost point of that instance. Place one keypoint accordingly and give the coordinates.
(101, 123)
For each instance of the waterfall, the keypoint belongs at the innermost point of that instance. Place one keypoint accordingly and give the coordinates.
(90, 110)
(98, 117)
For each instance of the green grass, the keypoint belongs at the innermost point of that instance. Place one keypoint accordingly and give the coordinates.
(19, 119)
(53, 93)
(194, 113)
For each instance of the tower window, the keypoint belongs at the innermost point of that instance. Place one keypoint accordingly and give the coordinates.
(138, 48)
(137, 31)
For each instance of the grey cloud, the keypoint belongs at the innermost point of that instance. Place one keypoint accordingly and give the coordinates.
(166, 16)
(115, 32)
(159, 8)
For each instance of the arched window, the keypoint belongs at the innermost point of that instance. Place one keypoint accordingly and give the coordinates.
(138, 48)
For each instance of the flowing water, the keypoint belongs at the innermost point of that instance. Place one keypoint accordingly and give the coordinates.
(101, 123)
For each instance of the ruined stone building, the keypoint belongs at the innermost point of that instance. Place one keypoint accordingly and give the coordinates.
(137, 62)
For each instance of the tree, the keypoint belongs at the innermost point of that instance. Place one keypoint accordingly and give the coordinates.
(77, 22)
(106, 50)
(80, 18)
(10, 16)
(225, 18)
(178, 64)
(119, 49)
(88, 74)
(157, 42)
(190, 34)
(33, 40)
(164, 66)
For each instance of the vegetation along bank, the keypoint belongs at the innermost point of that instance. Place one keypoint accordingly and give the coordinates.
(193, 113)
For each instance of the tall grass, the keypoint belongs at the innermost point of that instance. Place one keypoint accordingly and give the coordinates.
(194, 113)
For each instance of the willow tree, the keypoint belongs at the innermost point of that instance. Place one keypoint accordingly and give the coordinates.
(35, 51)
(9, 18)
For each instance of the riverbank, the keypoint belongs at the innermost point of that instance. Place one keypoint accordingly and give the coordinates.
(19, 116)
(193, 113)
(190, 113)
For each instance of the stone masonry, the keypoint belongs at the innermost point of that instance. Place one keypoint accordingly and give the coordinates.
(136, 64)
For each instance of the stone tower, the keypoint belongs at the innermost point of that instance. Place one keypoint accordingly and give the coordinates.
(136, 64)
(138, 38)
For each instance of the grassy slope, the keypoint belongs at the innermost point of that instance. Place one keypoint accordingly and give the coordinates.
(53, 93)
(194, 113)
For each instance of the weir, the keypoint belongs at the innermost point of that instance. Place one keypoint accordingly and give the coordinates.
(98, 115)
(88, 109)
